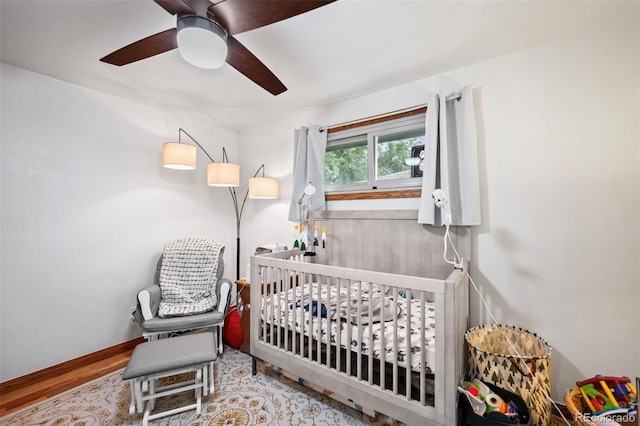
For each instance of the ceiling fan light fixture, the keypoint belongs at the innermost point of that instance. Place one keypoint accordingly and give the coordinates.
(202, 42)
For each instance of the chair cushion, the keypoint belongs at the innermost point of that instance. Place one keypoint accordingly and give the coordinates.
(164, 355)
(188, 276)
(183, 323)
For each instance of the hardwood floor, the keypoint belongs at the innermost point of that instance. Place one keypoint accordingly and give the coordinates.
(32, 388)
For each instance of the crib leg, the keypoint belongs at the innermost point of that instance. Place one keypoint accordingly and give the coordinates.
(254, 366)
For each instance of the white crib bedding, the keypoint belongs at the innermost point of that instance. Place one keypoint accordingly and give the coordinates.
(292, 307)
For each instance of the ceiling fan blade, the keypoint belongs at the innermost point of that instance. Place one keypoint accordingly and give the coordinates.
(175, 7)
(244, 61)
(238, 16)
(142, 49)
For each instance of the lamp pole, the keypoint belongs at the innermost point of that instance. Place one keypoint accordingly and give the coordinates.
(238, 207)
(239, 210)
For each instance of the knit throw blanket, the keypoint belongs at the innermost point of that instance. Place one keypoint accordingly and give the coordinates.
(188, 277)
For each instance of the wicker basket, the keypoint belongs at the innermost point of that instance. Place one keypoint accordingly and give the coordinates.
(577, 406)
(515, 360)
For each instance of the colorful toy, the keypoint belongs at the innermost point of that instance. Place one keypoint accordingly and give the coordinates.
(484, 401)
(474, 395)
(495, 403)
(609, 395)
(473, 389)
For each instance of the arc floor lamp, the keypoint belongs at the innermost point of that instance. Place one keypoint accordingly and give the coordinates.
(181, 156)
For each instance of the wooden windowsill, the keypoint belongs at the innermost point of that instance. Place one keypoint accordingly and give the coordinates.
(374, 195)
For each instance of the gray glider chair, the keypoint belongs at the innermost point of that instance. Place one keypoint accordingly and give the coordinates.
(188, 292)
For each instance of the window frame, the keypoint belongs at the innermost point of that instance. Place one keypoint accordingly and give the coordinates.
(371, 131)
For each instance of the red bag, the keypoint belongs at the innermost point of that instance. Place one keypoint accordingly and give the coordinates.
(232, 333)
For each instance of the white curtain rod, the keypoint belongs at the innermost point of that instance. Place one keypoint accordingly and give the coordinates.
(457, 96)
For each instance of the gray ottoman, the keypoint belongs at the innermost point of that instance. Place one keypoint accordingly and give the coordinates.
(156, 359)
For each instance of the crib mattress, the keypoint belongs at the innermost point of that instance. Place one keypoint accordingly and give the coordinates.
(306, 308)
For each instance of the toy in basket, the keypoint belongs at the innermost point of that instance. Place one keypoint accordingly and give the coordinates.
(487, 403)
(607, 395)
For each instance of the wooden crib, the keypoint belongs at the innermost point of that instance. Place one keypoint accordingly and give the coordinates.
(390, 343)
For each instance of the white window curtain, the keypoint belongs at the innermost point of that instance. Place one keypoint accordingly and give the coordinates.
(451, 160)
(309, 151)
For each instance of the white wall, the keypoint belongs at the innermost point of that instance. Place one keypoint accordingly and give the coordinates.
(559, 148)
(86, 207)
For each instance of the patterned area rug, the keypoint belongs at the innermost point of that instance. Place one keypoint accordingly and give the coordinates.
(240, 399)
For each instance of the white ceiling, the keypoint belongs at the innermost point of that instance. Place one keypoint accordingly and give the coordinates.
(345, 49)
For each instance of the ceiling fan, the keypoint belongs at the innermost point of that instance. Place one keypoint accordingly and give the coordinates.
(204, 35)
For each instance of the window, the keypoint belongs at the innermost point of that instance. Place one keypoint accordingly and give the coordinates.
(346, 162)
(383, 155)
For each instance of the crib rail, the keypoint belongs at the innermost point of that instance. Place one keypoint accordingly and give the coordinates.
(386, 373)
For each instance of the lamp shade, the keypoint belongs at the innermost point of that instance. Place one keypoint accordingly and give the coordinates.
(178, 156)
(262, 187)
(223, 174)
